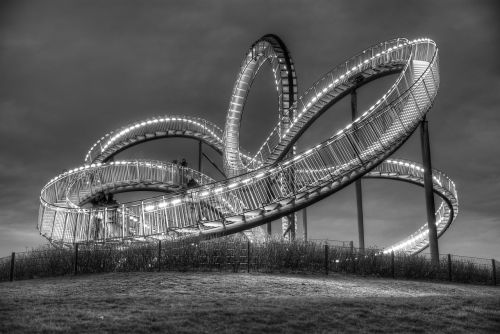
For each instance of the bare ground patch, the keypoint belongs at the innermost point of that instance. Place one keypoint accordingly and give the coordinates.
(232, 303)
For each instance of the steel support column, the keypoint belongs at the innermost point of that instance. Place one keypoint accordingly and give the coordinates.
(200, 156)
(429, 196)
(304, 223)
(359, 190)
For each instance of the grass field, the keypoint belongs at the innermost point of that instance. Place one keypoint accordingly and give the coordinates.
(240, 303)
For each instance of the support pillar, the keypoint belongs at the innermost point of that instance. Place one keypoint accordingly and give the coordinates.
(359, 190)
(289, 222)
(200, 154)
(304, 223)
(12, 266)
(429, 195)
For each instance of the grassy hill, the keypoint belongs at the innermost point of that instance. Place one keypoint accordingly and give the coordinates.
(178, 302)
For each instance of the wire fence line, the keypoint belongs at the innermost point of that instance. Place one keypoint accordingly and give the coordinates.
(235, 254)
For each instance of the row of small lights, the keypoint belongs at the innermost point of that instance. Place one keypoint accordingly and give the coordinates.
(245, 181)
(254, 158)
(396, 162)
(214, 191)
(371, 108)
(142, 124)
(162, 165)
(260, 163)
(406, 164)
(249, 56)
(303, 111)
(331, 85)
(194, 122)
(75, 170)
(334, 82)
(78, 210)
(218, 190)
(345, 75)
(164, 204)
(420, 169)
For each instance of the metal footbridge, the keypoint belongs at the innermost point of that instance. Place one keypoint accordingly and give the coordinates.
(266, 185)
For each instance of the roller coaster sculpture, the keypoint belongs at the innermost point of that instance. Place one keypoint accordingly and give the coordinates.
(270, 184)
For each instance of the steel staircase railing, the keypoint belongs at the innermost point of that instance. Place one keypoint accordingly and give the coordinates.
(267, 185)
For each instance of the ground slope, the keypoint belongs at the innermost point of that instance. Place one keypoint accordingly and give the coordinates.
(232, 303)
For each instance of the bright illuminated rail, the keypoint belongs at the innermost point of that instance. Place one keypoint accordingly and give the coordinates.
(266, 185)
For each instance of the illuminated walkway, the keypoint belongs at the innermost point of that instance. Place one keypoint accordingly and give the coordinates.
(270, 183)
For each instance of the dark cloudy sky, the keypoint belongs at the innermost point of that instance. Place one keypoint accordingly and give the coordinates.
(71, 71)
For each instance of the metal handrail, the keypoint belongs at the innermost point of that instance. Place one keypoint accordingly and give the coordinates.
(323, 92)
(283, 185)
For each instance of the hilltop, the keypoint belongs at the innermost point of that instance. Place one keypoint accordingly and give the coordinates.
(230, 303)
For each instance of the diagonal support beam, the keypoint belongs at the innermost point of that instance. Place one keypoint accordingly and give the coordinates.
(213, 164)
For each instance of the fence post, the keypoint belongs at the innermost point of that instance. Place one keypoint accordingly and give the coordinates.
(493, 267)
(248, 256)
(449, 267)
(12, 264)
(392, 265)
(326, 259)
(159, 255)
(351, 246)
(76, 259)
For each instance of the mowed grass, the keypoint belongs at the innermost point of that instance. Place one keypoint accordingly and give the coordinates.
(210, 302)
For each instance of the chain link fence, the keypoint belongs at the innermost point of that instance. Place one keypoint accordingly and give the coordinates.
(234, 254)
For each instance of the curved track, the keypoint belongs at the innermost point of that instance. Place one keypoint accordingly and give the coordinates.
(266, 185)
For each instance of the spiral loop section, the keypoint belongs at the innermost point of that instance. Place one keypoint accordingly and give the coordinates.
(266, 185)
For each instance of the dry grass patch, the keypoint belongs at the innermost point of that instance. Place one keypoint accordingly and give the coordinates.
(242, 303)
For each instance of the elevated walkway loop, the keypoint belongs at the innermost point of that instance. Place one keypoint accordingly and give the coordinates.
(270, 183)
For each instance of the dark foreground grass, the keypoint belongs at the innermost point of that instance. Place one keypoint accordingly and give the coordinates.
(241, 303)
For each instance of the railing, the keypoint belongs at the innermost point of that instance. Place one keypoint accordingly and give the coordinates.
(237, 255)
(76, 189)
(268, 193)
(161, 126)
(404, 170)
(334, 243)
(149, 173)
(255, 191)
(157, 127)
(327, 89)
(271, 49)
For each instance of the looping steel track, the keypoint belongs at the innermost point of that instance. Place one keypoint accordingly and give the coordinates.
(270, 183)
